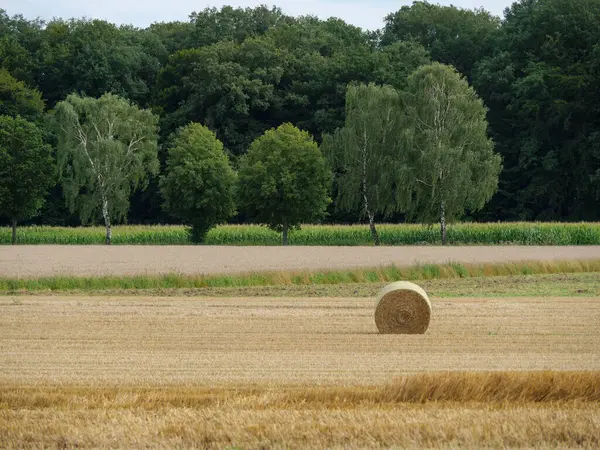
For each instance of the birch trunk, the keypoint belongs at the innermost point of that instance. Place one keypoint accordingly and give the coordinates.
(371, 215)
(106, 216)
(285, 233)
(443, 222)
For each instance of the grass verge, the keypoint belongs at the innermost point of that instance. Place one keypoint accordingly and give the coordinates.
(367, 277)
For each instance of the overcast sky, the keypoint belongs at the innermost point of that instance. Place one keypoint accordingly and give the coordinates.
(363, 13)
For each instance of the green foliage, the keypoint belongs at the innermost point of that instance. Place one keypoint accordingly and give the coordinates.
(234, 24)
(225, 86)
(106, 149)
(95, 57)
(27, 169)
(448, 165)
(453, 36)
(199, 181)
(544, 109)
(320, 235)
(284, 180)
(394, 63)
(16, 99)
(362, 153)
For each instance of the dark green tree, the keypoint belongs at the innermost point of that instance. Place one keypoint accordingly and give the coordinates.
(454, 36)
(541, 88)
(284, 180)
(448, 165)
(16, 99)
(198, 185)
(27, 170)
(227, 86)
(95, 57)
(234, 24)
(107, 148)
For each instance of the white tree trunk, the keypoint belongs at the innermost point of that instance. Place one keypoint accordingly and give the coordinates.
(443, 222)
(106, 216)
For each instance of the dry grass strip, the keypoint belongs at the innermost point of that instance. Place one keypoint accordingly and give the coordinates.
(443, 410)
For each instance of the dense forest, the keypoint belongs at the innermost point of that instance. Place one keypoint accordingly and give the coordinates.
(241, 72)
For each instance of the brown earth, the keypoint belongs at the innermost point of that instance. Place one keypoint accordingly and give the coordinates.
(267, 340)
(36, 261)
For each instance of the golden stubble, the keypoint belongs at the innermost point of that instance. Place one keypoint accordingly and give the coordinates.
(438, 410)
(122, 372)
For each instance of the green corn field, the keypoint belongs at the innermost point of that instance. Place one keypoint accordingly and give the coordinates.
(320, 235)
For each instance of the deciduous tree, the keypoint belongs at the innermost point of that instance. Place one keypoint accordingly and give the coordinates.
(284, 180)
(363, 150)
(27, 170)
(448, 165)
(107, 147)
(198, 186)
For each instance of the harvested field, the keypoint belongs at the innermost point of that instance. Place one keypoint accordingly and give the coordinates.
(44, 261)
(123, 372)
(285, 341)
(152, 372)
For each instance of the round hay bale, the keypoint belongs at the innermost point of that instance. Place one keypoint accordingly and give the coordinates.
(402, 308)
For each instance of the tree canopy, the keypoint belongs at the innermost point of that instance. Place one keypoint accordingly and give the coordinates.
(449, 165)
(198, 185)
(363, 152)
(106, 149)
(243, 71)
(27, 170)
(284, 180)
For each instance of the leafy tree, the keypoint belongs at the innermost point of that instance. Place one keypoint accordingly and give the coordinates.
(199, 181)
(541, 87)
(452, 35)
(363, 150)
(394, 63)
(27, 170)
(449, 164)
(284, 180)
(227, 86)
(20, 39)
(234, 24)
(106, 149)
(16, 99)
(321, 59)
(95, 57)
(175, 36)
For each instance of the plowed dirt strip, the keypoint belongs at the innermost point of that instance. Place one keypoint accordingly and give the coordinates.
(219, 341)
(37, 261)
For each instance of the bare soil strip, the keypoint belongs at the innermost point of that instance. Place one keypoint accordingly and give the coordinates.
(44, 261)
(166, 341)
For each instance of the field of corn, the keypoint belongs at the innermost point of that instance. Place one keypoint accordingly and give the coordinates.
(321, 235)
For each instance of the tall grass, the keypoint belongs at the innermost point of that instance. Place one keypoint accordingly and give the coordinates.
(334, 235)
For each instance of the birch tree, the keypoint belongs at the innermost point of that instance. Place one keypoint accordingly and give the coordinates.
(107, 147)
(449, 165)
(362, 152)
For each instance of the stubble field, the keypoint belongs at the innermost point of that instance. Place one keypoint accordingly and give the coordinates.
(120, 371)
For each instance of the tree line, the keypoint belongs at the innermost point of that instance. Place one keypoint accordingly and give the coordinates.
(242, 72)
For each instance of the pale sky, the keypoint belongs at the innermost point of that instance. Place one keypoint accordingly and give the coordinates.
(365, 14)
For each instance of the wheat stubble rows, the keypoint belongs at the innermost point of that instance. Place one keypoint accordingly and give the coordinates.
(285, 341)
(123, 372)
